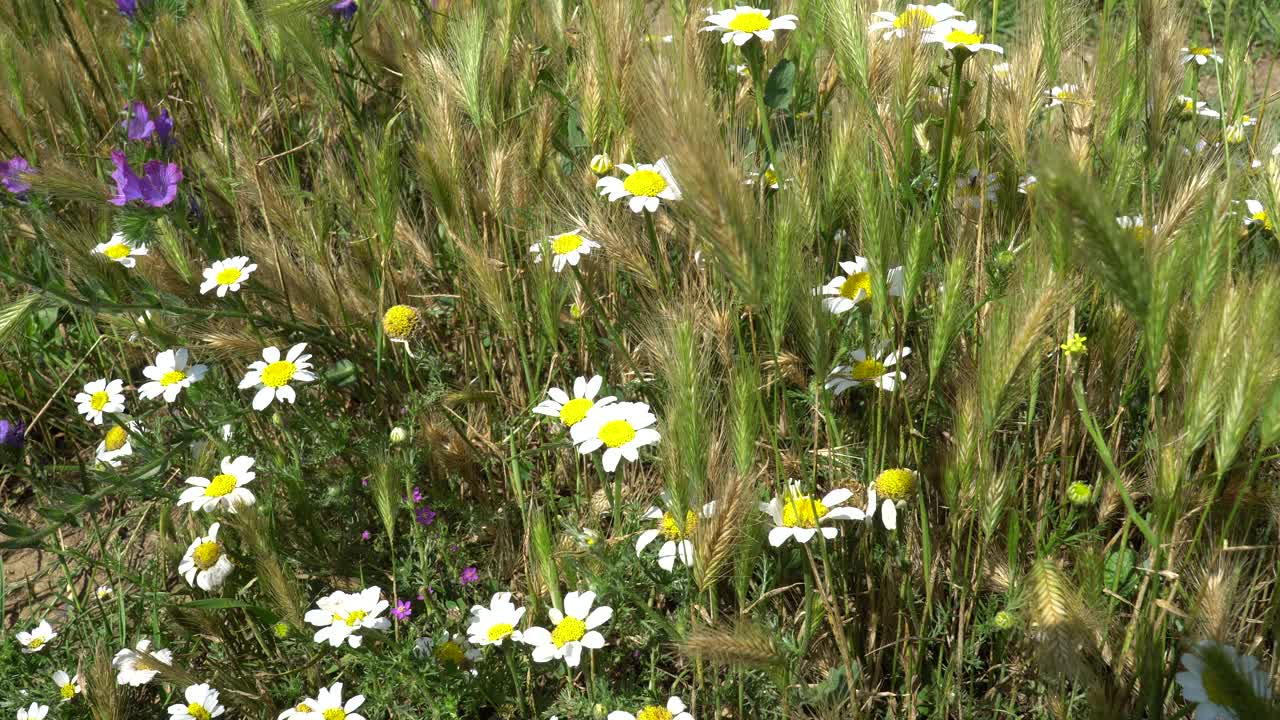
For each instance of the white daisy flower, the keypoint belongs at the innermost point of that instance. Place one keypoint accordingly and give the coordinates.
(491, 625)
(329, 705)
(1027, 184)
(341, 616)
(574, 630)
(799, 516)
(1063, 94)
(887, 492)
(566, 248)
(449, 649)
(35, 640)
(68, 686)
(115, 445)
(915, 18)
(874, 370)
(301, 711)
(205, 564)
(644, 184)
(272, 375)
(35, 711)
(677, 545)
(226, 490)
(974, 189)
(202, 704)
(960, 33)
(1200, 55)
(227, 275)
(572, 411)
(742, 23)
(139, 666)
(770, 178)
(674, 710)
(1206, 675)
(170, 375)
(104, 591)
(1235, 132)
(99, 397)
(1257, 216)
(621, 428)
(1189, 107)
(118, 249)
(1134, 225)
(843, 292)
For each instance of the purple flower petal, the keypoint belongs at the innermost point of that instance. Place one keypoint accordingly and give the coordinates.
(160, 183)
(164, 128)
(345, 9)
(128, 185)
(10, 174)
(127, 8)
(139, 126)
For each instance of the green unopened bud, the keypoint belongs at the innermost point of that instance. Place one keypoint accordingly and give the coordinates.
(281, 630)
(1079, 493)
(1004, 620)
(398, 435)
(575, 311)
(600, 164)
(599, 710)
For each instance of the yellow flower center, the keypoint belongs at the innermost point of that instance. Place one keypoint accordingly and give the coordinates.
(68, 691)
(353, 618)
(672, 531)
(36, 643)
(1202, 51)
(572, 412)
(119, 251)
(220, 485)
(566, 243)
(206, 554)
(1261, 216)
(868, 370)
(854, 283)
(171, 377)
(449, 652)
(141, 665)
(749, 22)
(960, 37)
(770, 178)
(913, 18)
(197, 711)
(400, 321)
(336, 713)
(653, 712)
(570, 629)
(228, 276)
(302, 708)
(802, 511)
(115, 439)
(617, 433)
(499, 631)
(278, 373)
(896, 484)
(99, 400)
(645, 183)
(1067, 96)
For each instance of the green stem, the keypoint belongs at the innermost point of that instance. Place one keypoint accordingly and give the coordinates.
(945, 165)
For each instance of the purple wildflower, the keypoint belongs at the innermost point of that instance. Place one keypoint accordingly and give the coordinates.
(366, 535)
(164, 128)
(364, 482)
(127, 8)
(469, 575)
(402, 610)
(10, 172)
(345, 9)
(12, 434)
(417, 496)
(139, 126)
(157, 186)
(425, 515)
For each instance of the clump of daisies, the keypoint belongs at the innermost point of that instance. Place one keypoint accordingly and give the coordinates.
(573, 630)
(620, 428)
(342, 616)
(799, 516)
(273, 374)
(572, 411)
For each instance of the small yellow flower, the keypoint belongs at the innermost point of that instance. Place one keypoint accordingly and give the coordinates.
(1075, 345)
(400, 323)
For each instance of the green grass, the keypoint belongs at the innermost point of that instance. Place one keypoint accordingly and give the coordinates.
(1077, 521)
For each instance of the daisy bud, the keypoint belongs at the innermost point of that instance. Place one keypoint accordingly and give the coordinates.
(281, 630)
(1004, 620)
(600, 164)
(398, 435)
(1079, 493)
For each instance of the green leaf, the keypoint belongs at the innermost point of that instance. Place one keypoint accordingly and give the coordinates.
(1118, 571)
(781, 85)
